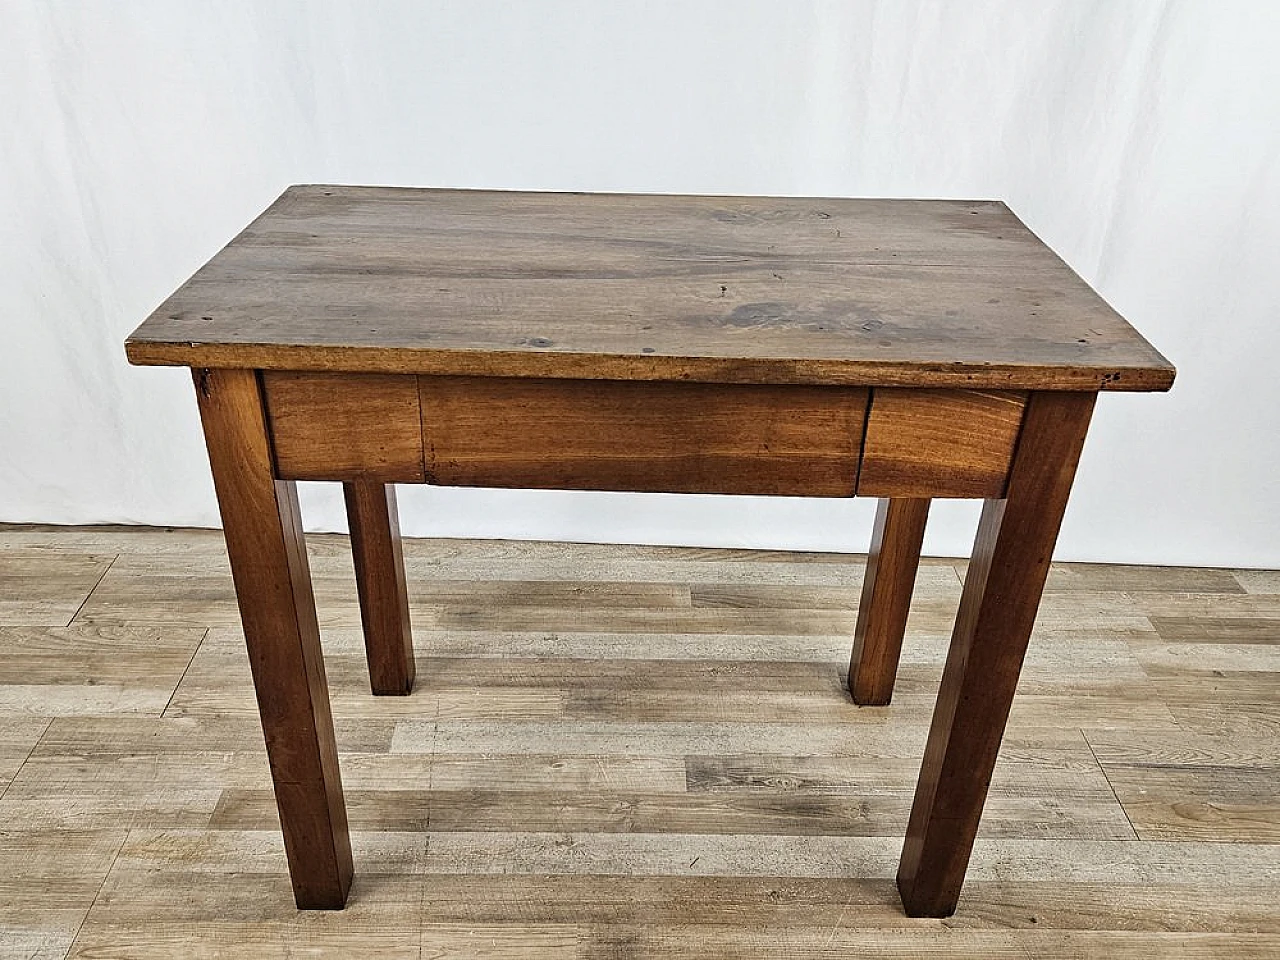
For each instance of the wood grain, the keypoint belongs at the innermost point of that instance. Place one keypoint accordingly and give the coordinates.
(887, 586)
(268, 555)
(384, 600)
(654, 437)
(731, 289)
(1006, 575)
(344, 426)
(935, 443)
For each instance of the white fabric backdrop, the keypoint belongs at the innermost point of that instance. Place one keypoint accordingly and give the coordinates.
(1140, 139)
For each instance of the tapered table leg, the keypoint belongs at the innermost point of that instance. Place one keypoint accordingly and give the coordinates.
(380, 581)
(263, 530)
(998, 607)
(886, 599)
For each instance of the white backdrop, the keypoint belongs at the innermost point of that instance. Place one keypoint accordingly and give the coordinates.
(1140, 139)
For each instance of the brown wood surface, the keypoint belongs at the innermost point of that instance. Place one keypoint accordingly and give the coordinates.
(640, 436)
(741, 289)
(384, 601)
(887, 586)
(344, 426)
(939, 443)
(1001, 596)
(263, 532)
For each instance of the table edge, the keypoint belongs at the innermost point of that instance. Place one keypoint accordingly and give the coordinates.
(1157, 376)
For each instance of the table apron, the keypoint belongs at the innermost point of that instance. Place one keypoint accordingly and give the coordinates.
(642, 436)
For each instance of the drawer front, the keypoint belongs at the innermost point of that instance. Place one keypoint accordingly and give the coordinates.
(343, 426)
(939, 443)
(649, 436)
(642, 436)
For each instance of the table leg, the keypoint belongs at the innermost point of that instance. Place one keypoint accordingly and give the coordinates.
(998, 607)
(886, 599)
(263, 531)
(380, 581)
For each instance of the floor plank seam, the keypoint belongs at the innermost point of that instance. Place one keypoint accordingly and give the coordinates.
(1085, 734)
(18, 772)
(98, 893)
(97, 583)
(174, 692)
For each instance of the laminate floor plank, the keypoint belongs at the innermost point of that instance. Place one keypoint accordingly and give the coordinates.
(1109, 577)
(210, 600)
(752, 648)
(1258, 581)
(92, 669)
(46, 588)
(1230, 630)
(849, 813)
(1182, 748)
(1212, 803)
(836, 942)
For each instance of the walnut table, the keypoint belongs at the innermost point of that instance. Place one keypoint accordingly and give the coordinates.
(795, 347)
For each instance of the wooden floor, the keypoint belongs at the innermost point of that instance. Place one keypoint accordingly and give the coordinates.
(626, 752)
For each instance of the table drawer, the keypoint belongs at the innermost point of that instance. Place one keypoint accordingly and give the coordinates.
(939, 443)
(343, 426)
(652, 436)
(642, 435)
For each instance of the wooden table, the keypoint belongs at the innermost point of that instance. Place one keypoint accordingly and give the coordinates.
(795, 347)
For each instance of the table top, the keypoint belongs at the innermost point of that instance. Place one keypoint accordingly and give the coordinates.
(929, 293)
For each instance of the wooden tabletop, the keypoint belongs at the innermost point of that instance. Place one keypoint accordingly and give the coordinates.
(648, 287)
